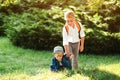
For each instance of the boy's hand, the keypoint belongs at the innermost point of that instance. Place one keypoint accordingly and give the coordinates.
(71, 57)
(59, 59)
(82, 44)
(81, 48)
(68, 54)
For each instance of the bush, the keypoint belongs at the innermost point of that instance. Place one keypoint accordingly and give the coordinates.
(39, 38)
(99, 42)
(2, 28)
(34, 31)
(40, 29)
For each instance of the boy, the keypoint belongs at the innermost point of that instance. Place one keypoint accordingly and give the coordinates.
(73, 38)
(60, 61)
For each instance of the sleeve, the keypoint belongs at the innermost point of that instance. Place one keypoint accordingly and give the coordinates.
(54, 66)
(66, 62)
(82, 33)
(65, 36)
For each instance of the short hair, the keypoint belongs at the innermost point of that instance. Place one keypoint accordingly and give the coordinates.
(69, 14)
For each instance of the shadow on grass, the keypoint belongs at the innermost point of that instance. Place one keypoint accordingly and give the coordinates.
(89, 66)
(96, 74)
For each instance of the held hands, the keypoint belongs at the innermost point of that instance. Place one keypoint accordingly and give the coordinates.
(69, 55)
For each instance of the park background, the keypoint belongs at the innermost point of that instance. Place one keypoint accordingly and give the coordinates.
(29, 30)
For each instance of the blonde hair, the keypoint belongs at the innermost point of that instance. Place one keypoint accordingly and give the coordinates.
(69, 14)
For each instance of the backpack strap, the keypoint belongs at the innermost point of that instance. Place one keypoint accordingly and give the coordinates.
(79, 28)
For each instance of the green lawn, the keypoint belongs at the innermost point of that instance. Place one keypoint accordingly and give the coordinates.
(25, 64)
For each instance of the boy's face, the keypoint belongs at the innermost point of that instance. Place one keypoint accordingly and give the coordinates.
(58, 56)
(70, 21)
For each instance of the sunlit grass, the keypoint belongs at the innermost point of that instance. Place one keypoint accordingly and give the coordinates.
(24, 64)
(44, 76)
(112, 68)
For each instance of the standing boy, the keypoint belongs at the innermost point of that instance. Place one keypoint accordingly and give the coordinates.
(73, 38)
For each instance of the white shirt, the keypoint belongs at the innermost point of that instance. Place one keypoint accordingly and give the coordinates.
(72, 35)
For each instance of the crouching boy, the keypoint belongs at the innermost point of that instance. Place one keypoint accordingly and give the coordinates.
(60, 61)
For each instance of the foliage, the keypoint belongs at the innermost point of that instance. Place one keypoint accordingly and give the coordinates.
(110, 12)
(23, 20)
(99, 42)
(8, 2)
(2, 28)
(38, 37)
(34, 31)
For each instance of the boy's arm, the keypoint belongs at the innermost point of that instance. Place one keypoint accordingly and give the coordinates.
(82, 44)
(65, 41)
(66, 62)
(54, 66)
(82, 34)
(67, 50)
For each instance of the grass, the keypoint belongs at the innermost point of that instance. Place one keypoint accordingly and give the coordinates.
(24, 64)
